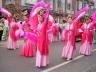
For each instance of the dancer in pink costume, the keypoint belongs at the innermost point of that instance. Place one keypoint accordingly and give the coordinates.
(42, 45)
(52, 30)
(41, 14)
(87, 36)
(69, 34)
(29, 43)
(69, 40)
(52, 33)
(12, 40)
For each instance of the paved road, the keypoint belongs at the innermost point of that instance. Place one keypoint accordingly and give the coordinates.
(11, 61)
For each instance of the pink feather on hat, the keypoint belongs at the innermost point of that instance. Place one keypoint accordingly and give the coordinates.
(82, 11)
(5, 12)
(93, 16)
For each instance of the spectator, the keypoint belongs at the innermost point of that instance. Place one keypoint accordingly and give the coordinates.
(5, 28)
(1, 29)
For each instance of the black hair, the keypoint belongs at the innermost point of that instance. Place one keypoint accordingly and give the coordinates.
(64, 21)
(21, 22)
(4, 17)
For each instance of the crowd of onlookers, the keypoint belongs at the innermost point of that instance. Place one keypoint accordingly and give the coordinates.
(61, 25)
(3, 28)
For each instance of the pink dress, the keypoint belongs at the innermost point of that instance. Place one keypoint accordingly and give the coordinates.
(87, 38)
(42, 47)
(12, 40)
(52, 33)
(69, 42)
(29, 47)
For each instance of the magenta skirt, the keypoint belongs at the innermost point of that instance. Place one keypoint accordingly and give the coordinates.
(12, 44)
(27, 49)
(86, 48)
(68, 51)
(41, 60)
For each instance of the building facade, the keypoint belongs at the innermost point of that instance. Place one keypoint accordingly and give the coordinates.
(0, 3)
(94, 4)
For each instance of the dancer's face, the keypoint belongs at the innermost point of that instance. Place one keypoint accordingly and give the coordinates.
(88, 21)
(41, 18)
(3, 19)
(69, 20)
(13, 19)
(26, 27)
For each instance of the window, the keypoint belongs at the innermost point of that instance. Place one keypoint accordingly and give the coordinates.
(69, 5)
(10, 1)
(85, 3)
(79, 4)
(95, 3)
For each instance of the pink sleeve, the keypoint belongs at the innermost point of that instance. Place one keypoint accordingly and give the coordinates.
(93, 24)
(80, 30)
(31, 36)
(62, 36)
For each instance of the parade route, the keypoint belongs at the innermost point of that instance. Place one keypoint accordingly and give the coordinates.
(65, 63)
(47, 35)
(11, 61)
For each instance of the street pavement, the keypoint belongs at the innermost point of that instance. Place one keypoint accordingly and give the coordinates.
(11, 61)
